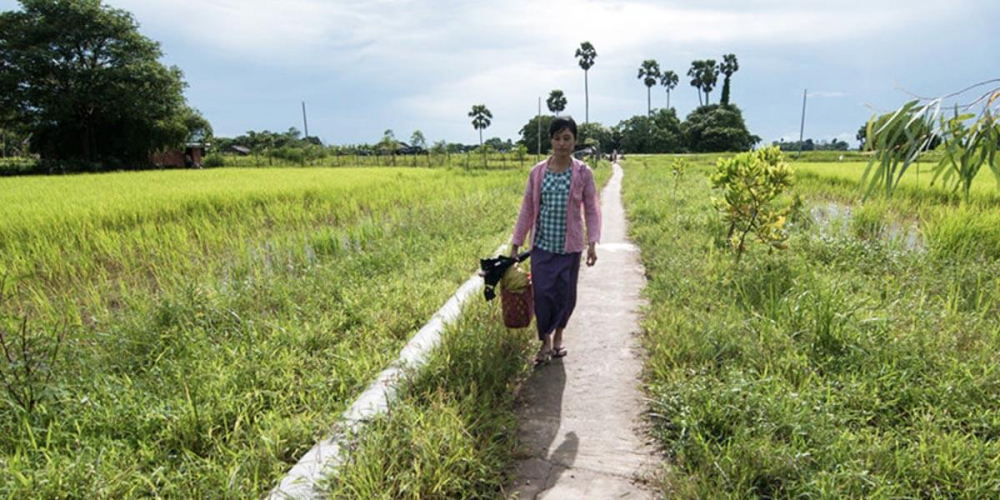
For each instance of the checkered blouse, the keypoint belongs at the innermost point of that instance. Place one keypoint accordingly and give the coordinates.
(551, 224)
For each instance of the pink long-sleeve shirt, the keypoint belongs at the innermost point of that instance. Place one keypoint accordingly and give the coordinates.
(583, 203)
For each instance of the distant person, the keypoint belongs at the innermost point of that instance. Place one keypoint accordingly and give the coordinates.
(188, 160)
(560, 194)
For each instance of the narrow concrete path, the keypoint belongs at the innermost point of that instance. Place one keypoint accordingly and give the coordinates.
(580, 416)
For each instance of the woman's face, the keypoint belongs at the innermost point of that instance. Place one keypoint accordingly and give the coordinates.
(563, 142)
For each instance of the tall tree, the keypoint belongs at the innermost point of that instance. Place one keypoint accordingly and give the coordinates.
(649, 72)
(669, 80)
(533, 133)
(418, 139)
(695, 72)
(556, 101)
(709, 77)
(729, 66)
(87, 85)
(862, 136)
(587, 54)
(481, 117)
(388, 144)
(716, 128)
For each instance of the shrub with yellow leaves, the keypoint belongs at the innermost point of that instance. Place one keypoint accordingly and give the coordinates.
(751, 184)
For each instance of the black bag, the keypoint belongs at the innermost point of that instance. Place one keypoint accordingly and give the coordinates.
(492, 270)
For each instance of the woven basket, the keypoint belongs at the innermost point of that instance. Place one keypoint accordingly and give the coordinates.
(518, 308)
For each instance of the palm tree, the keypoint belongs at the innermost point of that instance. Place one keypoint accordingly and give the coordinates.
(728, 67)
(710, 76)
(695, 72)
(669, 80)
(587, 54)
(556, 101)
(480, 120)
(649, 72)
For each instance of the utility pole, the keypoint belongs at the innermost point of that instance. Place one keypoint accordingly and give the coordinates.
(802, 126)
(538, 118)
(305, 123)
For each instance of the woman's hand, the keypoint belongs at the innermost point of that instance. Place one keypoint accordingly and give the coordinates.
(513, 251)
(591, 255)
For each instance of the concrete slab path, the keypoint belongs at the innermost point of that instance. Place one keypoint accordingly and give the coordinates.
(580, 416)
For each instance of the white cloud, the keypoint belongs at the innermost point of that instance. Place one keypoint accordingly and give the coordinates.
(426, 63)
(508, 90)
(352, 31)
(848, 137)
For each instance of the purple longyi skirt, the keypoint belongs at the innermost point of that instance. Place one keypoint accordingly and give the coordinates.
(553, 278)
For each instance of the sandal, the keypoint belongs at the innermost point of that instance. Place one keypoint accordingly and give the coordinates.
(559, 352)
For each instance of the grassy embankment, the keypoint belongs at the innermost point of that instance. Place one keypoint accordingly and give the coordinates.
(848, 365)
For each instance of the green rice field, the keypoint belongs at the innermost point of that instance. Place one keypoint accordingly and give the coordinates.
(217, 322)
(917, 181)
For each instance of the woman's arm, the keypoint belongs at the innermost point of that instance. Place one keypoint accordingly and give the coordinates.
(524, 219)
(591, 209)
(592, 213)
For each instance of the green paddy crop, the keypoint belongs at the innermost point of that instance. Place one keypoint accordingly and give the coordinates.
(917, 182)
(219, 321)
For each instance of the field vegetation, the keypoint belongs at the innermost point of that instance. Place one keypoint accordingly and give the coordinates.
(217, 322)
(472, 160)
(850, 364)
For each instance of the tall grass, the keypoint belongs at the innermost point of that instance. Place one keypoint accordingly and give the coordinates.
(220, 320)
(452, 433)
(472, 160)
(915, 185)
(842, 367)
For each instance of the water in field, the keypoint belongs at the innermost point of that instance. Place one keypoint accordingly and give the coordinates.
(834, 218)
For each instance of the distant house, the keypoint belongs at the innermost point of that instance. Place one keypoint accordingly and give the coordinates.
(584, 152)
(239, 150)
(403, 148)
(190, 157)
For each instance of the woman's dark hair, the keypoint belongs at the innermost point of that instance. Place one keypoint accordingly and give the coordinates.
(563, 123)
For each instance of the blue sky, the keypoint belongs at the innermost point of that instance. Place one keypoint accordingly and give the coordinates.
(370, 65)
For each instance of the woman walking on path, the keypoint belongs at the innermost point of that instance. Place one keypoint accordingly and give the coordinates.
(559, 195)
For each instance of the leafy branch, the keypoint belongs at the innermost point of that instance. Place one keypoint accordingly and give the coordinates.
(28, 360)
(969, 140)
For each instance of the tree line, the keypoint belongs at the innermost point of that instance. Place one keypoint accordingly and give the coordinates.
(709, 128)
(79, 83)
